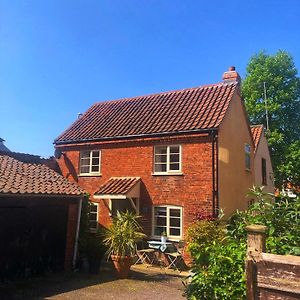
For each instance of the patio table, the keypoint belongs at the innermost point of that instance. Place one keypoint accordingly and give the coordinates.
(158, 245)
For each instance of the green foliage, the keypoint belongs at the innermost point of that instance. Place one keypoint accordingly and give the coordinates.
(282, 217)
(219, 261)
(283, 102)
(201, 234)
(221, 274)
(124, 233)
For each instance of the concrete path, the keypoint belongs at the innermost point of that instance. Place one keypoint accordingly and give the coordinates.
(144, 283)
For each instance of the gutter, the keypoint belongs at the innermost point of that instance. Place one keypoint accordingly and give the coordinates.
(144, 135)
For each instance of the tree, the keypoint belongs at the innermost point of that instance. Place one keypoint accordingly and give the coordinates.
(279, 74)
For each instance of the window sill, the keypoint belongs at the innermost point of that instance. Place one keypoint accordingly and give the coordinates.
(90, 175)
(248, 170)
(167, 174)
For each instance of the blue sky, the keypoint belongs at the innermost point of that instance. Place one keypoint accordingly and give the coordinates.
(58, 57)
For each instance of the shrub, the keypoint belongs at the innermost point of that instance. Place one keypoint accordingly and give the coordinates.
(219, 257)
(220, 275)
(201, 234)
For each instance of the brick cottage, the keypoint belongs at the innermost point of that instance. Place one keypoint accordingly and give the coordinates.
(166, 156)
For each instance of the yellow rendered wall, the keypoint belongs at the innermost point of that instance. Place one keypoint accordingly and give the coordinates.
(234, 179)
(263, 152)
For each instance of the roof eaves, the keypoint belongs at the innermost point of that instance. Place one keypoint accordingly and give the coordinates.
(145, 135)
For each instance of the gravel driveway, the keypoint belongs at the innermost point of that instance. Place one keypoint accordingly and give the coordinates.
(144, 283)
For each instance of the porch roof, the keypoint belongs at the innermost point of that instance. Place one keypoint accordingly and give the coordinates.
(119, 188)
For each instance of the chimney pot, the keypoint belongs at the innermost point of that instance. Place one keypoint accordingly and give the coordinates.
(232, 68)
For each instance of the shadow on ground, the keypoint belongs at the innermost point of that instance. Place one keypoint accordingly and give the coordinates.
(143, 283)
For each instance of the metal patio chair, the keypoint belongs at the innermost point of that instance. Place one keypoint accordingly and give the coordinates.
(145, 254)
(174, 255)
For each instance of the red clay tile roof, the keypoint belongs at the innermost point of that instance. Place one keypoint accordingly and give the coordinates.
(170, 112)
(17, 177)
(117, 186)
(257, 131)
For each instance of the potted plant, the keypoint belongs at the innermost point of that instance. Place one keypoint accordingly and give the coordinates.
(95, 252)
(121, 239)
(163, 237)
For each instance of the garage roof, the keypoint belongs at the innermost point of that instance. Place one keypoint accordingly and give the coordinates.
(17, 177)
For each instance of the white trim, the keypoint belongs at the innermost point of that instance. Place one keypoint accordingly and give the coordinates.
(168, 172)
(107, 196)
(168, 207)
(90, 173)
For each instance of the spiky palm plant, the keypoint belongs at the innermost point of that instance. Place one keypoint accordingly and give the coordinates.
(124, 233)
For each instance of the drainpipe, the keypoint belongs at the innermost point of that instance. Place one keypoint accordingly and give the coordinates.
(215, 172)
(77, 232)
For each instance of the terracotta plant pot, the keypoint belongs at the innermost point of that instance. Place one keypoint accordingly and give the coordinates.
(122, 265)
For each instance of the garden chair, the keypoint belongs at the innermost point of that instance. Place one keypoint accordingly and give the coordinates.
(145, 254)
(175, 256)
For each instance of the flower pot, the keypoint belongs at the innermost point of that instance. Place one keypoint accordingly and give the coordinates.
(122, 265)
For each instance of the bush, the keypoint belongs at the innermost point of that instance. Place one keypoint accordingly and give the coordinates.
(201, 234)
(282, 218)
(219, 257)
(220, 275)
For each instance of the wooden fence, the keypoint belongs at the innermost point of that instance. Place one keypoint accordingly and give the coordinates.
(269, 276)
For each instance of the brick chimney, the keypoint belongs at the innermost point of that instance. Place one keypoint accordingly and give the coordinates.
(231, 75)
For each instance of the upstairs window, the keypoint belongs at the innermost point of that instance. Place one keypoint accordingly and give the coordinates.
(264, 171)
(90, 162)
(167, 159)
(247, 156)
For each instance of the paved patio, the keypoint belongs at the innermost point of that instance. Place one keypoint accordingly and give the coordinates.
(143, 283)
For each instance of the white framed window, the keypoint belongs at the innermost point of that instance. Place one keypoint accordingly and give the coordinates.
(167, 159)
(247, 156)
(90, 162)
(167, 219)
(93, 216)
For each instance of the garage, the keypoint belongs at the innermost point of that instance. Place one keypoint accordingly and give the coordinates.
(39, 219)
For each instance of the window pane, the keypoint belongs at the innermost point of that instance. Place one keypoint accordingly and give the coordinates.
(160, 150)
(93, 208)
(93, 224)
(247, 148)
(95, 168)
(161, 221)
(93, 217)
(85, 154)
(95, 153)
(175, 231)
(95, 161)
(160, 211)
(175, 222)
(84, 169)
(247, 161)
(85, 160)
(159, 229)
(174, 158)
(174, 212)
(160, 168)
(174, 167)
(174, 149)
(161, 158)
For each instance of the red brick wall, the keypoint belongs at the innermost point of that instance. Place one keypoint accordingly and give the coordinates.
(192, 190)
